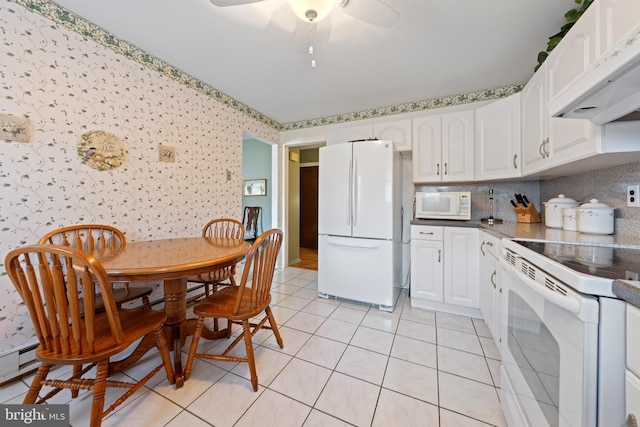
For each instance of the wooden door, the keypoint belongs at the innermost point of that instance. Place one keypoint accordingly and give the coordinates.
(309, 207)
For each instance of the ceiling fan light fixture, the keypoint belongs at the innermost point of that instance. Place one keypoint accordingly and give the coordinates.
(311, 10)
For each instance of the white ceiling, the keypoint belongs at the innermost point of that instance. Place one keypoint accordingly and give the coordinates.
(437, 48)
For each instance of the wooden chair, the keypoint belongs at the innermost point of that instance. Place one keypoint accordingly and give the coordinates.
(250, 218)
(106, 240)
(50, 279)
(222, 227)
(242, 303)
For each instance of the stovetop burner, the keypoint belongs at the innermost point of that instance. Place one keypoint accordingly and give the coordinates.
(599, 261)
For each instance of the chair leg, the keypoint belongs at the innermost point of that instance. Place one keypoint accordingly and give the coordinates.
(99, 389)
(76, 370)
(161, 342)
(36, 384)
(274, 326)
(250, 356)
(145, 302)
(194, 347)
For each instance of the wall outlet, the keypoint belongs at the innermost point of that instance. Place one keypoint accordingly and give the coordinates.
(633, 196)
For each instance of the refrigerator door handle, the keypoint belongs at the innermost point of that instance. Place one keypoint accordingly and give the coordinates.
(354, 245)
(354, 199)
(349, 191)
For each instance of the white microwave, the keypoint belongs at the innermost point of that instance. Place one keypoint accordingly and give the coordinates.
(443, 205)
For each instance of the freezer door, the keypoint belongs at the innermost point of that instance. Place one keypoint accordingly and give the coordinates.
(373, 190)
(359, 269)
(335, 190)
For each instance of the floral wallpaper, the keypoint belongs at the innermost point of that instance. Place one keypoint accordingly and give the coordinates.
(67, 85)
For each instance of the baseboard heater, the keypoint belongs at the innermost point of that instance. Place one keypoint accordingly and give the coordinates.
(18, 361)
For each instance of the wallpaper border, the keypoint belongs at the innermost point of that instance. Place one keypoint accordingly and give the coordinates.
(91, 31)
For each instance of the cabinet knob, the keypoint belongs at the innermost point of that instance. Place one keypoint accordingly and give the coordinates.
(482, 248)
(540, 149)
(439, 251)
(493, 282)
(515, 158)
(445, 168)
(430, 233)
(438, 169)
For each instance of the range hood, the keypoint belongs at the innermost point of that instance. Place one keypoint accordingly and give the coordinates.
(609, 90)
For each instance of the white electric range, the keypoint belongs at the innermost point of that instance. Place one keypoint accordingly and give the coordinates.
(563, 334)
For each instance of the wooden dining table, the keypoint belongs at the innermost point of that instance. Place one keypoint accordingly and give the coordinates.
(172, 261)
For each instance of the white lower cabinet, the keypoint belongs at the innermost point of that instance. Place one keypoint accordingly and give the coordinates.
(490, 287)
(444, 269)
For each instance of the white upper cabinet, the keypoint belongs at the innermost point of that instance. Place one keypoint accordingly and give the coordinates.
(577, 51)
(355, 133)
(497, 139)
(443, 147)
(398, 131)
(615, 19)
(548, 141)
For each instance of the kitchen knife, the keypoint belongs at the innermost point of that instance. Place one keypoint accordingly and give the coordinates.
(513, 203)
(519, 199)
(526, 201)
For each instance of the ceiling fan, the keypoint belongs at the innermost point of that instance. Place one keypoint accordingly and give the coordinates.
(375, 12)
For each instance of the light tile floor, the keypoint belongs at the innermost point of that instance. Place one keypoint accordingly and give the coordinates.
(343, 364)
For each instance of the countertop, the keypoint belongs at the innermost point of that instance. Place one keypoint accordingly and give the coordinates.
(627, 290)
(537, 232)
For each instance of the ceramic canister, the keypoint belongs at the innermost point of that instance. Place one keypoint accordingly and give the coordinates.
(595, 218)
(569, 219)
(553, 210)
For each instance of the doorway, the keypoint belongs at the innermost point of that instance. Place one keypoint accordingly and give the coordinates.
(302, 200)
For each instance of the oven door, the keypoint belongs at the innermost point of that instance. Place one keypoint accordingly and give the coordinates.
(549, 344)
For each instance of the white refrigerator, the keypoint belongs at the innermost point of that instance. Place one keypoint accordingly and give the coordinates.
(359, 222)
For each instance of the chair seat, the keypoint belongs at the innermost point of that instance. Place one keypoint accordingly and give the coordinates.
(135, 323)
(222, 304)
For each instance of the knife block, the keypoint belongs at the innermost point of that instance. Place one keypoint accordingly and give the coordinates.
(528, 214)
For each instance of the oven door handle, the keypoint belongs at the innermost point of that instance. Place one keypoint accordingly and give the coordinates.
(565, 302)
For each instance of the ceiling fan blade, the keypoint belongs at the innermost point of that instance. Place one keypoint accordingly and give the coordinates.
(375, 12)
(225, 3)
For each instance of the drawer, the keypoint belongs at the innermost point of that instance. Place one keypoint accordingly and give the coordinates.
(632, 393)
(427, 232)
(633, 339)
(490, 244)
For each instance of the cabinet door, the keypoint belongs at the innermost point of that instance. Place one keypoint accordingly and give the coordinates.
(398, 131)
(616, 18)
(574, 54)
(461, 268)
(497, 139)
(489, 291)
(426, 270)
(534, 120)
(571, 139)
(355, 133)
(457, 146)
(427, 140)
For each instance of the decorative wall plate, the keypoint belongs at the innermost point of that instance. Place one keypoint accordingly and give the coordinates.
(101, 150)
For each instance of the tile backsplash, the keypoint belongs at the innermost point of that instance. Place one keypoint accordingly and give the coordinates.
(608, 186)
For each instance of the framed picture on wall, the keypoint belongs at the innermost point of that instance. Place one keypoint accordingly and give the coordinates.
(255, 187)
